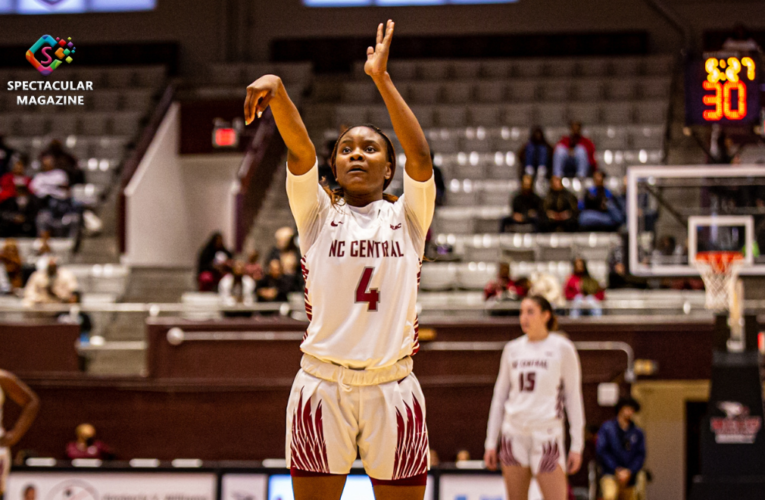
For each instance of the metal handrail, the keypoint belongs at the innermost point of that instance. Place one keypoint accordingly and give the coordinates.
(629, 373)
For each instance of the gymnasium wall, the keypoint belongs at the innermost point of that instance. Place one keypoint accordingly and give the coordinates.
(243, 29)
(174, 202)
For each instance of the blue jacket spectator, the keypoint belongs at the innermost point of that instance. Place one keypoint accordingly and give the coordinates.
(620, 450)
(535, 154)
(600, 210)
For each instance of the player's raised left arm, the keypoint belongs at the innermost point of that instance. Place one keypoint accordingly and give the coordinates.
(22, 395)
(418, 164)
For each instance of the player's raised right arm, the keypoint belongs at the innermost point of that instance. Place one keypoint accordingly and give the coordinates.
(268, 90)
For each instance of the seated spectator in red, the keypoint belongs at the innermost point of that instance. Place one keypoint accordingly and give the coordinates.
(16, 177)
(274, 287)
(253, 269)
(51, 180)
(18, 215)
(87, 446)
(561, 208)
(574, 155)
(582, 289)
(535, 154)
(212, 263)
(504, 287)
(527, 210)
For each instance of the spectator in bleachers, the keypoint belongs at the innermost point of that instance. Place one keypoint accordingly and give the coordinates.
(61, 217)
(574, 155)
(561, 208)
(274, 287)
(618, 275)
(65, 162)
(527, 210)
(18, 215)
(284, 244)
(503, 287)
(50, 285)
(547, 286)
(252, 268)
(87, 446)
(581, 289)
(237, 287)
(51, 181)
(15, 177)
(621, 452)
(10, 258)
(535, 154)
(212, 263)
(5, 155)
(76, 316)
(600, 210)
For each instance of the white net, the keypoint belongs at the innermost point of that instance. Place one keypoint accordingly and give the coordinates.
(720, 284)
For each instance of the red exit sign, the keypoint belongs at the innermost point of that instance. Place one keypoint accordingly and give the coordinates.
(225, 137)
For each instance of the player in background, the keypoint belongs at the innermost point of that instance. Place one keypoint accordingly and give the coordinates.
(23, 396)
(539, 376)
(361, 257)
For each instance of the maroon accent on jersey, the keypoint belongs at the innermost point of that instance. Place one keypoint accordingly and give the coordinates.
(412, 444)
(308, 306)
(308, 450)
(397, 226)
(506, 453)
(550, 456)
(560, 402)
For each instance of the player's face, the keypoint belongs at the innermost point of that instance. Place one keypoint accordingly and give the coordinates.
(533, 319)
(361, 164)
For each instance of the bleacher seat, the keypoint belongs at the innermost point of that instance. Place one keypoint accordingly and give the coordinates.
(457, 92)
(438, 276)
(465, 69)
(491, 91)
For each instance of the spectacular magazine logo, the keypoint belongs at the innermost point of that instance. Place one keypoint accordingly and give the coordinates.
(41, 53)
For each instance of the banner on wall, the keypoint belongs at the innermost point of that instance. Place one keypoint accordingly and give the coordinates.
(73, 6)
(244, 487)
(110, 486)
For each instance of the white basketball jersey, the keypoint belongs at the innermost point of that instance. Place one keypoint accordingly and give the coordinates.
(362, 270)
(536, 382)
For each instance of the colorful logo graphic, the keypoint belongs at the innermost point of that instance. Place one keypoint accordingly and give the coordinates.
(47, 47)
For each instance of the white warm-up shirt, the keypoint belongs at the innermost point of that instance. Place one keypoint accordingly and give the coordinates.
(362, 269)
(536, 381)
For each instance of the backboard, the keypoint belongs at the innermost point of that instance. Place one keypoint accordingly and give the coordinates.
(673, 212)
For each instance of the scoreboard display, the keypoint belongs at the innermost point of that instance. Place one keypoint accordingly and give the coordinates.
(723, 88)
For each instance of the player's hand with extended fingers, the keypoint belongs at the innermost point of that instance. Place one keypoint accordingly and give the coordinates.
(574, 462)
(377, 56)
(259, 95)
(490, 459)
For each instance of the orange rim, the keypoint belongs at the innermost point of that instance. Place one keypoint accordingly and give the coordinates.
(719, 261)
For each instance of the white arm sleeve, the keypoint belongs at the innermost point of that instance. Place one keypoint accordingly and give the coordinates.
(501, 393)
(571, 370)
(309, 204)
(419, 203)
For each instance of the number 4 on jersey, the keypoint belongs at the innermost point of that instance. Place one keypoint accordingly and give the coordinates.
(371, 297)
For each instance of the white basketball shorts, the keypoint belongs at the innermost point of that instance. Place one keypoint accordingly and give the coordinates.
(539, 448)
(329, 424)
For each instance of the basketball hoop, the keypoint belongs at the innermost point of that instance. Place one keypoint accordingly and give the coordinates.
(719, 270)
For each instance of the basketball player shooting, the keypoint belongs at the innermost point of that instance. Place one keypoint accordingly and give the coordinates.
(30, 404)
(361, 256)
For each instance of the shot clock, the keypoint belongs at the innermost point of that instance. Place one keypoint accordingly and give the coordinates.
(723, 88)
